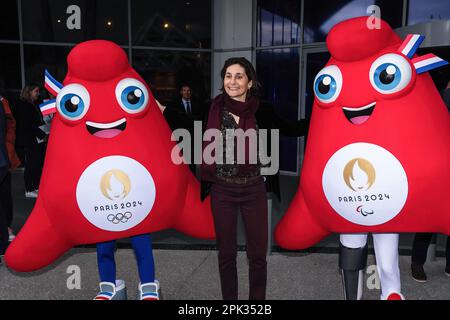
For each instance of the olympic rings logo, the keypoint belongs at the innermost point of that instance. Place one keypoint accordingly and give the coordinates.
(120, 217)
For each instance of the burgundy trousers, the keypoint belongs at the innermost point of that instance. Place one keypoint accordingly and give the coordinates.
(226, 199)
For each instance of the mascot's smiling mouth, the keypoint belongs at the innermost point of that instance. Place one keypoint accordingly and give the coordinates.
(359, 115)
(106, 130)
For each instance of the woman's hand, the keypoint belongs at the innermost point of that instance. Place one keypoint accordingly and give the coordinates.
(161, 107)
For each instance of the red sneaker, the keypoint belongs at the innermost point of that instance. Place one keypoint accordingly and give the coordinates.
(395, 296)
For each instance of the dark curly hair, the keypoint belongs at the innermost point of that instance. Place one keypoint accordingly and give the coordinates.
(249, 71)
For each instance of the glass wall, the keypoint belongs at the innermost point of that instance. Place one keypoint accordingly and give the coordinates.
(322, 15)
(174, 23)
(10, 81)
(278, 23)
(424, 11)
(315, 61)
(278, 72)
(158, 37)
(73, 21)
(9, 20)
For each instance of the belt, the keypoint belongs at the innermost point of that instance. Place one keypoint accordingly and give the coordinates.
(238, 180)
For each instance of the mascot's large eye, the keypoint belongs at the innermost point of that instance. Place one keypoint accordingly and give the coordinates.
(390, 73)
(132, 95)
(73, 102)
(328, 84)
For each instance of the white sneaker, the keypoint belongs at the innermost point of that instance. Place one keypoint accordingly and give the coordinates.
(111, 291)
(11, 235)
(31, 194)
(148, 291)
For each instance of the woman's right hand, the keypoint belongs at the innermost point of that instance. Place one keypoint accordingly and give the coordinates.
(161, 107)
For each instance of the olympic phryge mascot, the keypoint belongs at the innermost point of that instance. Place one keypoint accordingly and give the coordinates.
(108, 173)
(377, 158)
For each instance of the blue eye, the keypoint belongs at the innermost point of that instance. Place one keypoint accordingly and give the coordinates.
(72, 105)
(328, 84)
(325, 87)
(73, 102)
(390, 73)
(132, 95)
(387, 76)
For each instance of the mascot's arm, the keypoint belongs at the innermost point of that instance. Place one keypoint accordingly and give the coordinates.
(297, 229)
(196, 219)
(37, 244)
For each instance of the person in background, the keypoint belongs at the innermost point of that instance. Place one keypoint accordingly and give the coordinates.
(182, 112)
(185, 103)
(4, 165)
(14, 161)
(30, 138)
(419, 256)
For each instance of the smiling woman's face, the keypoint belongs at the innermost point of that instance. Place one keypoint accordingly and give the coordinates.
(236, 82)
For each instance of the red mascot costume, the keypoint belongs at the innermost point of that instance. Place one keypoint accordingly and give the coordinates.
(108, 172)
(377, 158)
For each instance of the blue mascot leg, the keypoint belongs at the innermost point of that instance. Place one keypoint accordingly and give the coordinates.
(106, 261)
(142, 246)
(110, 288)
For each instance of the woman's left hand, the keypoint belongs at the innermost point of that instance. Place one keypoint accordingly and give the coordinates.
(161, 107)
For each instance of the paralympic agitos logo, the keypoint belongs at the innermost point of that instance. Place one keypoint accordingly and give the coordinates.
(359, 175)
(365, 184)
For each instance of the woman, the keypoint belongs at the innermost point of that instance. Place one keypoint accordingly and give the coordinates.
(238, 186)
(14, 162)
(30, 139)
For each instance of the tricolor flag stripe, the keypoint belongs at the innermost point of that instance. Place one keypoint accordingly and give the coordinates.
(411, 44)
(102, 297)
(51, 84)
(48, 107)
(428, 62)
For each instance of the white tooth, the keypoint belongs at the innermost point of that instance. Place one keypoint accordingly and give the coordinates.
(106, 125)
(370, 105)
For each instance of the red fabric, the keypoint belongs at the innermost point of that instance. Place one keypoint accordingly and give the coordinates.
(413, 125)
(352, 40)
(10, 135)
(394, 296)
(57, 221)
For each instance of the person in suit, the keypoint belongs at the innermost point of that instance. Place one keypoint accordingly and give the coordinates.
(185, 103)
(182, 113)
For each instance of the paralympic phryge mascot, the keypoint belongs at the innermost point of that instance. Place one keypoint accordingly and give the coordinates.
(108, 172)
(377, 158)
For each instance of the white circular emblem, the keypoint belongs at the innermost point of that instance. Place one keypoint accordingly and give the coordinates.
(365, 184)
(116, 193)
